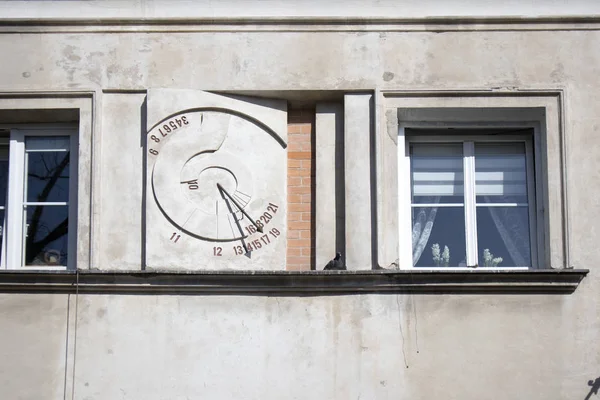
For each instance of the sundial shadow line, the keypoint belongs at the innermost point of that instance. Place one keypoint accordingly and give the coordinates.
(236, 221)
(241, 208)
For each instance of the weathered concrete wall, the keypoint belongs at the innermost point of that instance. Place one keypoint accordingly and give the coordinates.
(298, 60)
(374, 347)
(34, 347)
(338, 347)
(347, 61)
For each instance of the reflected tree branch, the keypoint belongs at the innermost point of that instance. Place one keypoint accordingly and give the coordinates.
(33, 247)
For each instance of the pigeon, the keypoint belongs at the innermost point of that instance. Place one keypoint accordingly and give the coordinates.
(336, 264)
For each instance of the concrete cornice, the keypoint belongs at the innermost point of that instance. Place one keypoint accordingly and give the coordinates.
(292, 283)
(299, 24)
(296, 8)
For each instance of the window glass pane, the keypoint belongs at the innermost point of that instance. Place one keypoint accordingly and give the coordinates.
(436, 173)
(500, 173)
(48, 176)
(47, 236)
(3, 190)
(503, 236)
(47, 143)
(2, 226)
(3, 174)
(438, 237)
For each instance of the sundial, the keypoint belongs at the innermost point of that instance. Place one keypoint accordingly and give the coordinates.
(216, 173)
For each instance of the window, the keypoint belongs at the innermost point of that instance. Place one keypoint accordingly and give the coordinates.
(37, 197)
(531, 117)
(472, 198)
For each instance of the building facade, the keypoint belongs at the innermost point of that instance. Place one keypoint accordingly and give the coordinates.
(177, 175)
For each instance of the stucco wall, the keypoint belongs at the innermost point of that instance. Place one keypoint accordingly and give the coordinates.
(374, 347)
(299, 60)
(318, 61)
(334, 347)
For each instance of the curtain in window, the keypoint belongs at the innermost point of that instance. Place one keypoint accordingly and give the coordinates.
(514, 232)
(501, 189)
(422, 226)
(437, 204)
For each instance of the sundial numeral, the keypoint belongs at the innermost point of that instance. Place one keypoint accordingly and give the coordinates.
(217, 251)
(238, 250)
(168, 127)
(175, 237)
(192, 185)
(275, 232)
(181, 122)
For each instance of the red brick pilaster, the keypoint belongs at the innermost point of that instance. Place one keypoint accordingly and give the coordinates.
(300, 235)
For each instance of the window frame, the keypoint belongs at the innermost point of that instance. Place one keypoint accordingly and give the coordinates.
(13, 242)
(534, 185)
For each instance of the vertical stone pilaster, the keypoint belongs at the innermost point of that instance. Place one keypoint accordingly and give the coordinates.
(329, 163)
(358, 149)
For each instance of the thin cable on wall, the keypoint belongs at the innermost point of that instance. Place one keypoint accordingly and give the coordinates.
(400, 328)
(414, 304)
(75, 333)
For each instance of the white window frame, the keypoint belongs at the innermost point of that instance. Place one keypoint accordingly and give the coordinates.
(534, 185)
(13, 242)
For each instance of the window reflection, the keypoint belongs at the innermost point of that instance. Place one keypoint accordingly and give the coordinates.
(46, 200)
(48, 176)
(47, 242)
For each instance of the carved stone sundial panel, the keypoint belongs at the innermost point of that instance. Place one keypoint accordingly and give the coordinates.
(215, 182)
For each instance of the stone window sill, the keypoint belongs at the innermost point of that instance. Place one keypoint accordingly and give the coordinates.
(292, 283)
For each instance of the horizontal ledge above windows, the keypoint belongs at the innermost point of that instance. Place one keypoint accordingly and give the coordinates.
(308, 22)
(292, 283)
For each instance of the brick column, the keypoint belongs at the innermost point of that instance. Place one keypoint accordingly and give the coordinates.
(300, 235)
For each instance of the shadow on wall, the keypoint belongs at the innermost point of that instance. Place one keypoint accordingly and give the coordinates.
(595, 387)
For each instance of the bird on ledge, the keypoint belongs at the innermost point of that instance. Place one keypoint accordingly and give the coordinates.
(336, 264)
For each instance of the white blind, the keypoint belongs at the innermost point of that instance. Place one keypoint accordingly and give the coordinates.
(500, 169)
(437, 169)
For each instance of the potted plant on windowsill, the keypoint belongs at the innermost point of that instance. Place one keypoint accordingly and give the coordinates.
(443, 259)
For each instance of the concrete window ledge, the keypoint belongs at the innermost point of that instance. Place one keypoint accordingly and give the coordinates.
(292, 283)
